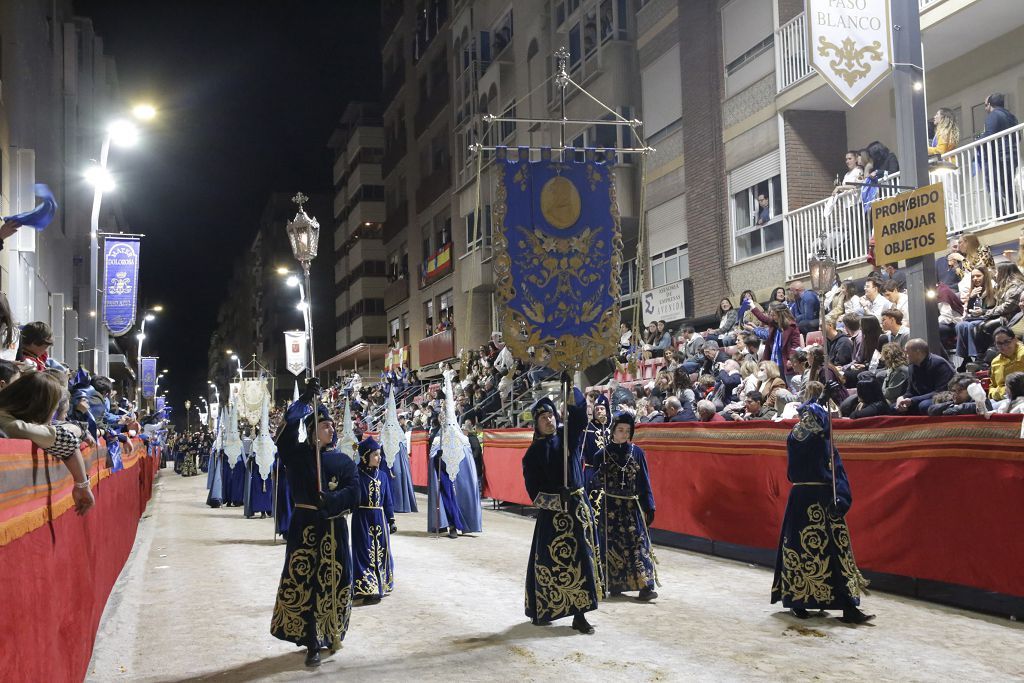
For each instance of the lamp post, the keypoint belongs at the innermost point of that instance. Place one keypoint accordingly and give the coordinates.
(823, 277)
(303, 306)
(148, 317)
(121, 132)
(303, 235)
(188, 408)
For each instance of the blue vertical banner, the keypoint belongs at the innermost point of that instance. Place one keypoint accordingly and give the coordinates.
(148, 379)
(558, 256)
(160, 400)
(120, 283)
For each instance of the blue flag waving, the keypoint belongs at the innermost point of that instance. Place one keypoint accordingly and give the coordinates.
(42, 215)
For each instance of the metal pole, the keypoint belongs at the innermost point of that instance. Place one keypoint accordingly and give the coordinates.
(312, 364)
(562, 81)
(94, 257)
(911, 141)
(565, 433)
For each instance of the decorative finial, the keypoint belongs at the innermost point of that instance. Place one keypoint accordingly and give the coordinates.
(562, 76)
(300, 199)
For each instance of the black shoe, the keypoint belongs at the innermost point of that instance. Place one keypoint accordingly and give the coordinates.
(371, 599)
(648, 594)
(453, 532)
(800, 613)
(542, 622)
(852, 615)
(580, 623)
(312, 656)
(615, 594)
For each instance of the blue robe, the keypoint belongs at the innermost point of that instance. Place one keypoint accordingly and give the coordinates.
(623, 498)
(403, 496)
(215, 479)
(372, 564)
(595, 438)
(314, 597)
(261, 492)
(460, 500)
(283, 513)
(561, 574)
(236, 488)
(815, 568)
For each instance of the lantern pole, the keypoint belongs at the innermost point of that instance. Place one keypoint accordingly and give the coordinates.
(303, 234)
(823, 275)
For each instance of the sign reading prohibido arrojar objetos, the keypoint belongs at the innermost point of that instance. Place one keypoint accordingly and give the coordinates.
(120, 283)
(558, 256)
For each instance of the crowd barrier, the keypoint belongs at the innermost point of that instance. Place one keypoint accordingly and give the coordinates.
(937, 501)
(58, 568)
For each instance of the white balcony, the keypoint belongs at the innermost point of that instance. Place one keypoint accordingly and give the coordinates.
(791, 63)
(983, 189)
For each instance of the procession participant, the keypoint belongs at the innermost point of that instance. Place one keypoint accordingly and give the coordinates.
(815, 568)
(595, 438)
(373, 522)
(238, 476)
(451, 460)
(627, 557)
(261, 491)
(314, 597)
(396, 452)
(562, 575)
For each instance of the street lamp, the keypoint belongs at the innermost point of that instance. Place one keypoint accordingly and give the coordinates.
(121, 132)
(823, 276)
(304, 235)
(148, 317)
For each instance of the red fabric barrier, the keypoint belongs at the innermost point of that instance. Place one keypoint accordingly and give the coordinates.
(58, 576)
(934, 498)
(418, 453)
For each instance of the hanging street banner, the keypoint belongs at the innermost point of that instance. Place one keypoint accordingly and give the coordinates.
(120, 283)
(148, 378)
(664, 303)
(558, 254)
(850, 44)
(160, 402)
(910, 224)
(295, 349)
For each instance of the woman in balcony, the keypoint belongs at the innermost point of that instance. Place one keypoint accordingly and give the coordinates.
(947, 132)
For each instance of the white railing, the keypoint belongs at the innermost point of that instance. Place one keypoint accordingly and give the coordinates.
(983, 188)
(791, 64)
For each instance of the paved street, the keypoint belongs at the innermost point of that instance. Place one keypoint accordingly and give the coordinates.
(195, 599)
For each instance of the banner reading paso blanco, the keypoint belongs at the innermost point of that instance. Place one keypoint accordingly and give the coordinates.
(910, 224)
(850, 44)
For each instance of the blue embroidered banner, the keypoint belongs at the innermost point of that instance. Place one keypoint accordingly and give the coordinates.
(558, 258)
(120, 283)
(160, 403)
(148, 379)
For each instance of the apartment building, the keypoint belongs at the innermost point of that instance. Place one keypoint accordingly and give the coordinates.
(360, 327)
(727, 87)
(57, 91)
(444, 67)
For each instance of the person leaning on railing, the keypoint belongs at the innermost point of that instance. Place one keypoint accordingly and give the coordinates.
(27, 407)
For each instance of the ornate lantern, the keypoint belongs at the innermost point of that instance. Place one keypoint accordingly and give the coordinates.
(303, 233)
(823, 268)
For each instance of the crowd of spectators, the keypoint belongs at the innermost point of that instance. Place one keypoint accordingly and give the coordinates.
(761, 357)
(59, 412)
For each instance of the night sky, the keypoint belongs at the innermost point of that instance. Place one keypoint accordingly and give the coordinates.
(248, 93)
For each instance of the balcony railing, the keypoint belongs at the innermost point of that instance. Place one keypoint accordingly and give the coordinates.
(396, 292)
(791, 63)
(981, 191)
(431, 187)
(397, 219)
(437, 347)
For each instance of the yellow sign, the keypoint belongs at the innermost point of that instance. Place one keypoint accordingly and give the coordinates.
(910, 224)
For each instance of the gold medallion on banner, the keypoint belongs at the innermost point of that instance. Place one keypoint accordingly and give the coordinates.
(560, 202)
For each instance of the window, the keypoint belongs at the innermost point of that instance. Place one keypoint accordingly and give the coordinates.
(474, 238)
(662, 86)
(575, 56)
(394, 330)
(607, 24)
(559, 13)
(503, 33)
(508, 128)
(756, 217)
(446, 308)
(670, 266)
(747, 40)
(590, 33)
(405, 329)
(428, 317)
